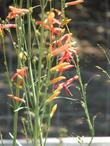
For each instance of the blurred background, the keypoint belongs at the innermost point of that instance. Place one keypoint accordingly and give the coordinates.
(91, 29)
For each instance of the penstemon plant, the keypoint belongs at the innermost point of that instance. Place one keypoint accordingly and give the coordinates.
(44, 52)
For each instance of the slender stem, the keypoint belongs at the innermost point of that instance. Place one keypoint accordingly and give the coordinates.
(15, 127)
(84, 103)
(41, 48)
(48, 125)
(6, 65)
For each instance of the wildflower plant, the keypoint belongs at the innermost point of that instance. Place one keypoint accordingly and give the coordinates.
(44, 50)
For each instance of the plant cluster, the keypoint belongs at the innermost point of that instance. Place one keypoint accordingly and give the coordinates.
(45, 50)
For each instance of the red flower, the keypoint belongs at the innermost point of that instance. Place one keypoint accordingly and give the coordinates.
(66, 57)
(67, 84)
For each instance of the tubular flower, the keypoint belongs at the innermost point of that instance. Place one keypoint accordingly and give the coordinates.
(74, 3)
(66, 57)
(20, 73)
(14, 12)
(46, 26)
(60, 49)
(54, 30)
(15, 98)
(60, 66)
(53, 81)
(59, 87)
(49, 23)
(65, 68)
(64, 39)
(6, 26)
(67, 84)
(51, 19)
(53, 96)
(54, 108)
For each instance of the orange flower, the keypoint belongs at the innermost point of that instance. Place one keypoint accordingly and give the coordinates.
(15, 98)
(66, 68)
(74, 3)
(50, 17)
(14, 12)
(53, 96)
(57, 79)
(54, 108)
(59, 87)
(20, 73)
(59, 66)
(1, 32)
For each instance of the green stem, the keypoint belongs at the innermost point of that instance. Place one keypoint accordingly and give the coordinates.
(38, 135)
(84, 103)
(15, 128)
(6, 65)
